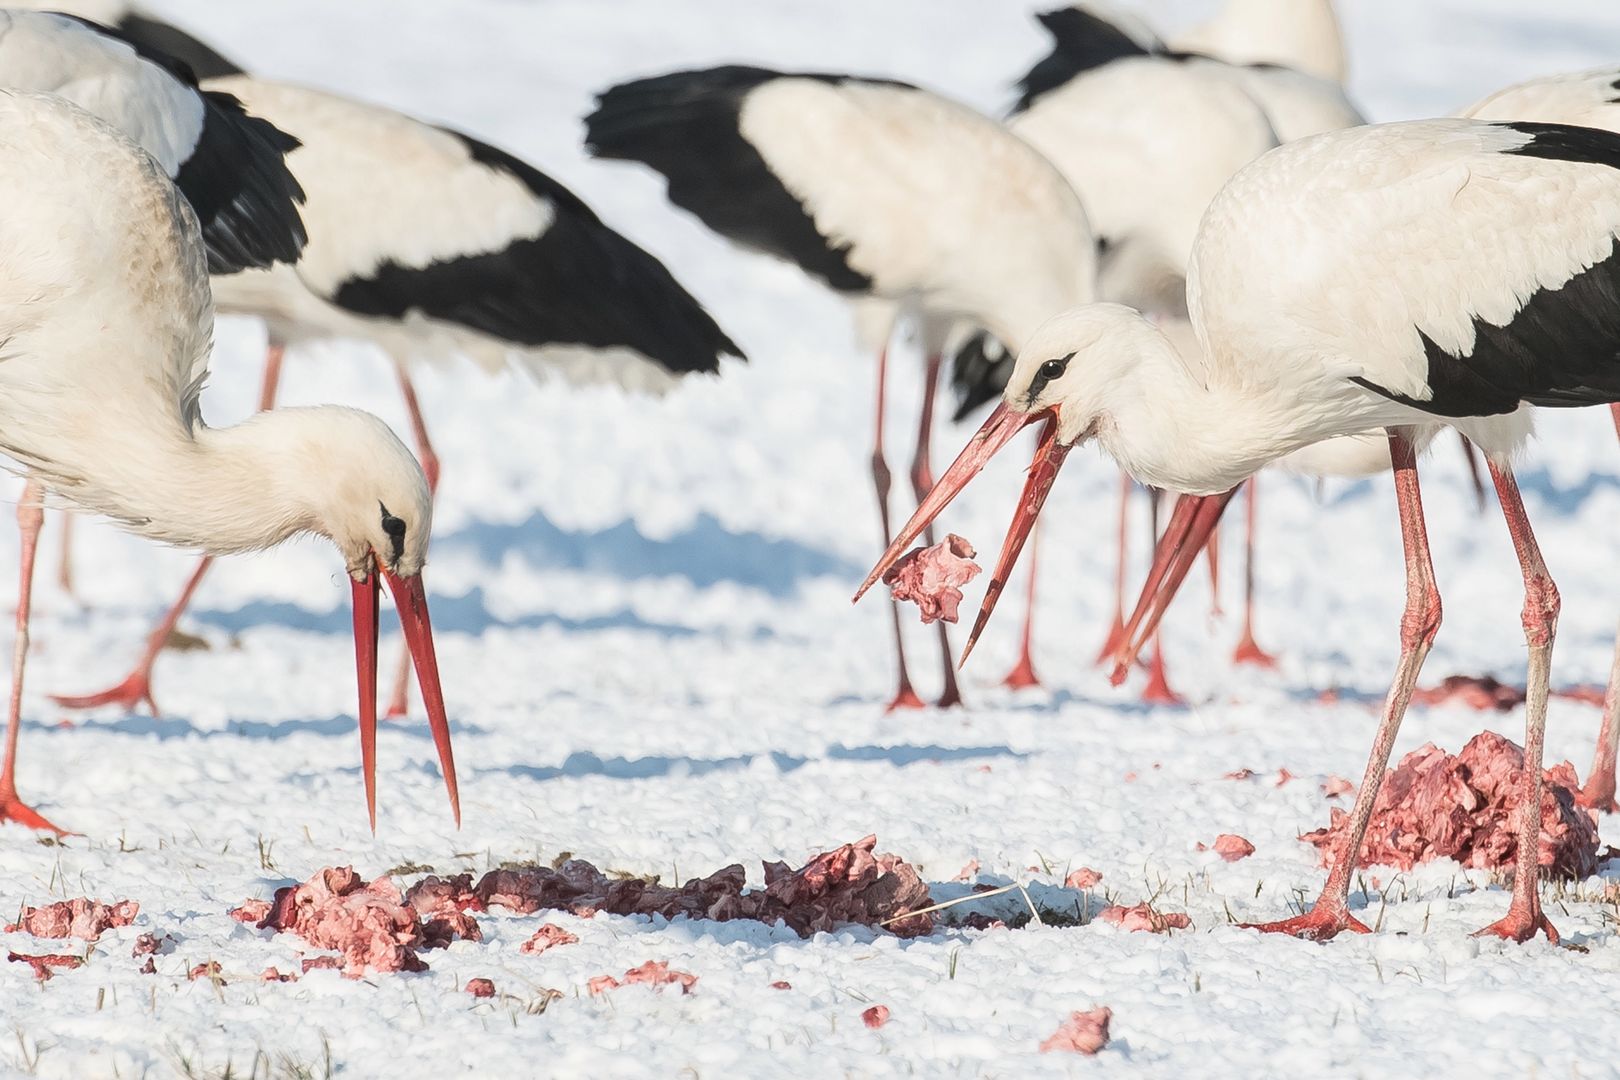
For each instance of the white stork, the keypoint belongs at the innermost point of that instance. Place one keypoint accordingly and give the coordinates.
(1487, 280)
(1299, 34)
(878, 189)
(229, 165)
(105, 309)
(136, 24)
(430, 243)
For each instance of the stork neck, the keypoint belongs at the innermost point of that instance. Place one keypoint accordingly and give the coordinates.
(1170, 427)
(1302, 34)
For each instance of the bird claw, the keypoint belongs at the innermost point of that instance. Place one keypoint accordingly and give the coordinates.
(132, 692)
(1598, 794)
(1249, 652)
(1520, 924)
(14, 810)
(1116, 638)
(1319, 924)
(1022, 677)
(904, 698)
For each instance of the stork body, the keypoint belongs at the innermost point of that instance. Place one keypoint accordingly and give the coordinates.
(879, 190)
(105, 307)
(1299, 34)
(432, 244)
(1487, 280)
(134, 23)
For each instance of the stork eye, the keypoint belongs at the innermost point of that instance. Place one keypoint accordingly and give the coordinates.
(1054, 369)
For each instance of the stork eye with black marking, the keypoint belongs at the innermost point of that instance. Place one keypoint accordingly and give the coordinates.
(1054, 369)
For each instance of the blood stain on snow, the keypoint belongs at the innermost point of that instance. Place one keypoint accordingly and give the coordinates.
(1335, 786)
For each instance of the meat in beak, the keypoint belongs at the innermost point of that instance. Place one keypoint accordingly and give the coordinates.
(1191, 524)
(996, 433)
(410, 599)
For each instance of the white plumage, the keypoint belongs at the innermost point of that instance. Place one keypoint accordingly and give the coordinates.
(1299, 34)
(106, 321)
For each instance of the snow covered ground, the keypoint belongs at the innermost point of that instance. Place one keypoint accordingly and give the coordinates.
(652, 663)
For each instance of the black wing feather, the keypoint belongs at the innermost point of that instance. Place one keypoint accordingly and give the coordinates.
(979, 373)
(578, 283)
(685, 125)
(1081, 42)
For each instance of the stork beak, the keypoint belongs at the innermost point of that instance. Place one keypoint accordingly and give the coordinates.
(1191, 524)
(996, 433)
(1043, 471)
(410, 599)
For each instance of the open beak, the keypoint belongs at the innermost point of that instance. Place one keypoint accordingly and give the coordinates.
(1191, 524)
(1043, 471)
(996, 433)
(410, 598)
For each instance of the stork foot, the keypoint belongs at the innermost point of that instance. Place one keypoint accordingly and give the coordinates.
(1157, 691)
(128, 695)
(1322, 923)
(1116, 638)
(397, 710)
(950, 699)
(1249, 652)
(1022, 676)
(17, 812)
(1521, 923)
(904, 698)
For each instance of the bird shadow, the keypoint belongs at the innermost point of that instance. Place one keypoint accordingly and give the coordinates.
(583, 763)
(465, 614)
(706, 553)
(168, 728)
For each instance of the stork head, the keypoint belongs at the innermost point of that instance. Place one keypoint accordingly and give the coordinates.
(365, 491)
(1065, 375)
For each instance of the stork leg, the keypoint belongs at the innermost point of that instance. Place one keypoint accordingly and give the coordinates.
(1473, 472)
(30, 516)
(904, 697)
(1248, 651)
(1419, 624)
(136, 689)
(1116, 631)
(399, 701)
(1212, 552)
(1158, 691)
(1598, 794)
(1022, 676)
(922, 482)
(64, 566)
(1540, 618)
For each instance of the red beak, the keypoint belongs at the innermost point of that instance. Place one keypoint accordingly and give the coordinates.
(1043, 471)
(1191, 524)
(996, 433)
(410, 599)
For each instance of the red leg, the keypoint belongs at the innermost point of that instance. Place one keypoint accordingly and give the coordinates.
(1599, 790)
(399, 699)
(1419, 624)
(1212, 552)
(1473, 472)
(1157, 691)
(1540, 618)
(922, 482)
(1116, 631)
(136, 689)
(1022, 676)
(30, 516)
(1248, 651)
(904, 697)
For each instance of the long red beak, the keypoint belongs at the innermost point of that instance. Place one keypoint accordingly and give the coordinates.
(1043, 471)
(410, 599)
(1191, 524)
(996, 433)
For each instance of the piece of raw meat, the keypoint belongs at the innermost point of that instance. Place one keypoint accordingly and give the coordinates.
(932, 577)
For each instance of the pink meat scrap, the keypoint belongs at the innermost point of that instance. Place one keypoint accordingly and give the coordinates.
(851, 884)
(548, 936)
(932, 577)
(1083, 878)
(1081, 1033)
(45, 966)
(369, 923)
(1435, 805)
(80, 918)
(876, 1016)
(481, 988)
(1143, 917)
